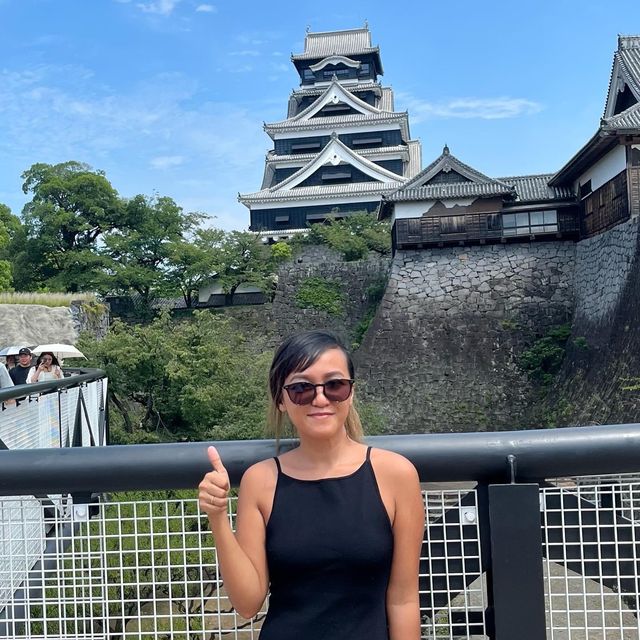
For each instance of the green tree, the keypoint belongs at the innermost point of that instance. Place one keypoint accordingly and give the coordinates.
(353, 236)
(10, 226)
(193, 262)
(195, 380)
(72, 206)
(244, 259)
(138, 255)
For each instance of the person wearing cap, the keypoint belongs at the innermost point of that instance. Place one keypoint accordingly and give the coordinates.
(20, 372)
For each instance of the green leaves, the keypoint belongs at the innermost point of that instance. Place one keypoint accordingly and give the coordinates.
(353, 236)
(193, 380)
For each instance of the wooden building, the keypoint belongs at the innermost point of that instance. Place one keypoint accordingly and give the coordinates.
(452, 203)
(342, 145)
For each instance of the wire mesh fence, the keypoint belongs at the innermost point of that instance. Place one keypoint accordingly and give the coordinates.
(137, 567)
(143, 566)
(591, 538)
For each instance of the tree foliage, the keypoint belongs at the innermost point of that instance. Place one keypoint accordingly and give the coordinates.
(354, 236)
(194, 380)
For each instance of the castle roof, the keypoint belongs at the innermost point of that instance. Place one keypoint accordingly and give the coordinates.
(536, 188)
(447, 177)
(334, 153)
(399, 119)
(347, 43)
(621, 112)
(385, 94)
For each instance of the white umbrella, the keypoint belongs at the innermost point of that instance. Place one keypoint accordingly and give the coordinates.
(12, 351)
(59, 350)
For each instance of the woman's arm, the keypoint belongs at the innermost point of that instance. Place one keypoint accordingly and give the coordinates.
(31, 374)
(241, 556)
(403, 604)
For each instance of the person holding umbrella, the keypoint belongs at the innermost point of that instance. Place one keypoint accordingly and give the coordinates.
(47, 368)
(20, 372)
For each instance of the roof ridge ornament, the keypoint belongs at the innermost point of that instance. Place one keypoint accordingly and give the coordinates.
(445, 150)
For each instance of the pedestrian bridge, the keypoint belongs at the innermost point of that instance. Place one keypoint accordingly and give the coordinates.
(528, 534)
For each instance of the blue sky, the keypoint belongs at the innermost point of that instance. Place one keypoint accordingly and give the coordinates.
(169, 96)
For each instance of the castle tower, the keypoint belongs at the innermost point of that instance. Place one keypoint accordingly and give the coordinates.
(342, 145)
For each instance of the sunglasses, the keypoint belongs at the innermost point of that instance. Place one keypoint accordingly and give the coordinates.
(337, 390)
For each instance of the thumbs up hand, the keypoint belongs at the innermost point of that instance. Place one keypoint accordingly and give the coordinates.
(214, 488)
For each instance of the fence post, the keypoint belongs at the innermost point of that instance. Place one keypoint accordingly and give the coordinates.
(517, 583)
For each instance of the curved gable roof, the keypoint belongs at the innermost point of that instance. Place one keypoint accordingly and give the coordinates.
(446, 163)
(334, 153)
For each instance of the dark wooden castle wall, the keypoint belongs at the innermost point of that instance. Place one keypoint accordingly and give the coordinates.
(605, 207)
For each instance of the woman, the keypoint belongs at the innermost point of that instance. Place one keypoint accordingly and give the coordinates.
(332, 529)
(47, 368)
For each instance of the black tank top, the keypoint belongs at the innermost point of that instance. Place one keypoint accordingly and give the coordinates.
(329, 548)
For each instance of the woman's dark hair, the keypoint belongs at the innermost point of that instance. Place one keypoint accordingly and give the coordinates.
(54, 360)
(297, 353)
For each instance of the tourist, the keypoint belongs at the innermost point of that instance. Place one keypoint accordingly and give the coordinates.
(47, 368)
(333, 528)
(20, 372)
(10, 362)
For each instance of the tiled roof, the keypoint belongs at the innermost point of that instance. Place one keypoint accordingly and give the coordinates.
(385, 103)
(353, 87)
(628, 119)
(337, 152)
(446, 163)
(334, 91)
(303, 158)
(625, 69)
(320, 121)
(448, 190)
(326, 43)
(628, 55)
(536, 188)
(336, 122)
(320, 191)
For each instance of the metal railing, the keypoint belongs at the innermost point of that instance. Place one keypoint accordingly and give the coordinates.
(508, 552)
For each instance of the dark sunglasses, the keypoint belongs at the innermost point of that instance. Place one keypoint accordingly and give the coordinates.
(304, 392)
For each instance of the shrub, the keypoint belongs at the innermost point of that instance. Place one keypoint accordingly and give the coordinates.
(324, 295)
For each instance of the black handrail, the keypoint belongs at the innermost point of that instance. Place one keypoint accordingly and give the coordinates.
(482, 457)
(38, 388)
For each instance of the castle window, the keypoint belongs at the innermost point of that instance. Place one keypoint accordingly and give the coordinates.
(635, 156)
(307, 74)
(364, 69)
(339, 73)
(303, 147)
(585, 189)
(530, 223)
(362, 142)
(335, 176)
(452, 224)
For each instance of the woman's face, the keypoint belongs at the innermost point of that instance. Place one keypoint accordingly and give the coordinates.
(46, 361)
(323, 417)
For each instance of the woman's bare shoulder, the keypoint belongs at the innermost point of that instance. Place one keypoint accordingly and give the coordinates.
(259, 476)
(393, 465)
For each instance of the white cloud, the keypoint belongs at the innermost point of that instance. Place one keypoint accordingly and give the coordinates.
(206, 8)
(245, 52)
(469, 108)
(166, 162)
(160, 7)
(150, 138)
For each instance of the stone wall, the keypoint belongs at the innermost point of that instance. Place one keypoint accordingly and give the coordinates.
(603, 354)
(35, 324)
(355, 280)
(442, 353)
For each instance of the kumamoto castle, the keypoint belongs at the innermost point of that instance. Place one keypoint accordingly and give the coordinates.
(343, 149)
(477, 260)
